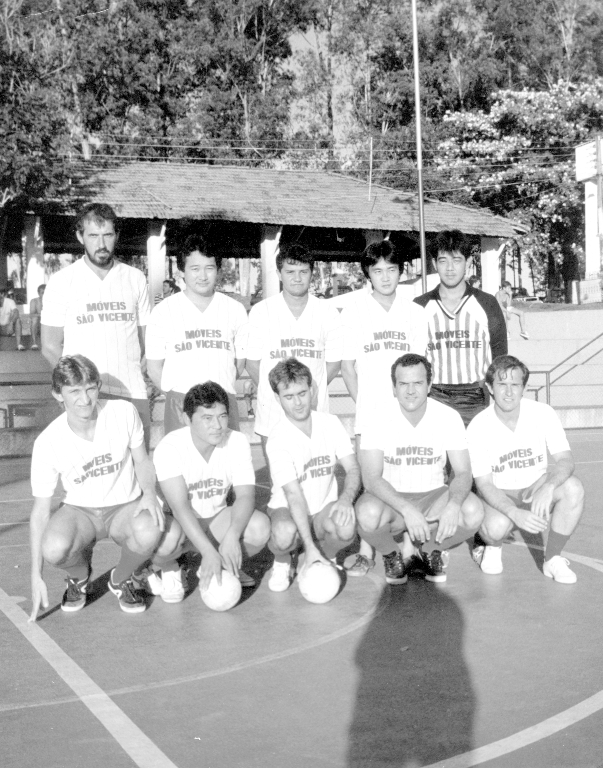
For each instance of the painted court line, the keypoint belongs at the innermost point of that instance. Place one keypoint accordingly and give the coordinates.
(542, 730)
(142, 751)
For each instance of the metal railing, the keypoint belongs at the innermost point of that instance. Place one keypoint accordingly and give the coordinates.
(548, 373)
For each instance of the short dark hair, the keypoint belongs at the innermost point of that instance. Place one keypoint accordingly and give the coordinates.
(506, 284)
(377, 251)
(409, 360)
(448, 241)
(205, 395)
(288, 371)
(97, 212)
(196, 243)
(504, 363)
(72, 370)
(296, 253)
(41, 286)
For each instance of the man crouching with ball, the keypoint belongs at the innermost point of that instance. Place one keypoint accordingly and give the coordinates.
(303, 450)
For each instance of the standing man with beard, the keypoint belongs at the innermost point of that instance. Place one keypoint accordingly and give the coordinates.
(100, 306)
(467, 329)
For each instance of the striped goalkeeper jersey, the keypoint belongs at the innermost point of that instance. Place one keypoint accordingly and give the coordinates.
(462, 343)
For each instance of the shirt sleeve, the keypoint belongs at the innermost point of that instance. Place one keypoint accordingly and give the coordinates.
(144, 303)
(167, 460)
(479, 447)
(282, 466)
(348, 336)
(242, 463)
(134, 425)
(334, 336)
(44, 475)
(497, 328)
(241, 332)
(54, 309)
(255, 332)
(556, 439)
(155, 337)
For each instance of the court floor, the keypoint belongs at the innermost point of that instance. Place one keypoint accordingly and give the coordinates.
(500, 671)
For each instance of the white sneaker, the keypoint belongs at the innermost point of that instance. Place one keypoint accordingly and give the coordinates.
(280, 578)
(492, 561)
(557, 568)
(172, 588)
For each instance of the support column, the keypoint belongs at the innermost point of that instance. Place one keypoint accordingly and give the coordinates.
(245, 281)
(271, 235)
(592, 242)
(491, 248)
(33, 246)
(156, 257)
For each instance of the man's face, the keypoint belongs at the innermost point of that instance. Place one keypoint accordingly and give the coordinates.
(167, 288)
(41, 292)
(384, 277)
(411, 387)
(98, 239)
(296, 399)
(295, 278)
(200, 274)
(209, 425)
(507, 390)
(451, 267)
(79, 399)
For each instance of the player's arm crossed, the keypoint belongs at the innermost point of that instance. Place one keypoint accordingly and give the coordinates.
(371, 465)
(458, 490)
(298, 507)
(525, 519)
(145, 474)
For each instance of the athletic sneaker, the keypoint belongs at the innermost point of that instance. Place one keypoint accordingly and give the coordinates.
(361, 566)
(129, 598)
(434, 565)
(281, 576)
(246, 580)
(557, 568)
(74, 598)
(524, 335)
(34, 347)
(395, 572)
(20, 348)
(491, 562)
(172, 588)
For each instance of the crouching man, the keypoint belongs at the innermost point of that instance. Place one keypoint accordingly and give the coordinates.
(403, 460)
(508, 443)
(97, 450)
(197, 465)
(303, 450)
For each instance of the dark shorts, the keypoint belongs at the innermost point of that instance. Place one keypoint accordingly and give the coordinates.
(173, 415)
(102, 517)
(467, 399)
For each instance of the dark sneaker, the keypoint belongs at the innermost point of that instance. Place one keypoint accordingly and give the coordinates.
(129, 598)
(360, 566)
(395, 572)
(74, 598)
(434, 565)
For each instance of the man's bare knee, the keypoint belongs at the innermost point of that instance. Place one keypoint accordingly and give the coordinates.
(495, 527)
(145, 533)
(57, 549)
(368, 513)
(283, 534)
(257, 531)
(472, 512)
(573, 492)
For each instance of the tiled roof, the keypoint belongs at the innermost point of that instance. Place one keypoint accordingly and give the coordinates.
(303, 198)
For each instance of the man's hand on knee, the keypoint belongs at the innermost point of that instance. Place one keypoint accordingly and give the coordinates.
(151, 504)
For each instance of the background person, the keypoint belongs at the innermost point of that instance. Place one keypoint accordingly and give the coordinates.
(504, 296)
(35, 310)
(10, 321)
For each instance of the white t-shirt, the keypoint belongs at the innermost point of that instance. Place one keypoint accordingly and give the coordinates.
(414, 458)
(375, 339)
(97, 473)
(274, 334)
(100, 319)
(207, 482)
(196, 346)
(6, 310)
(515, 459)
(311, 460)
